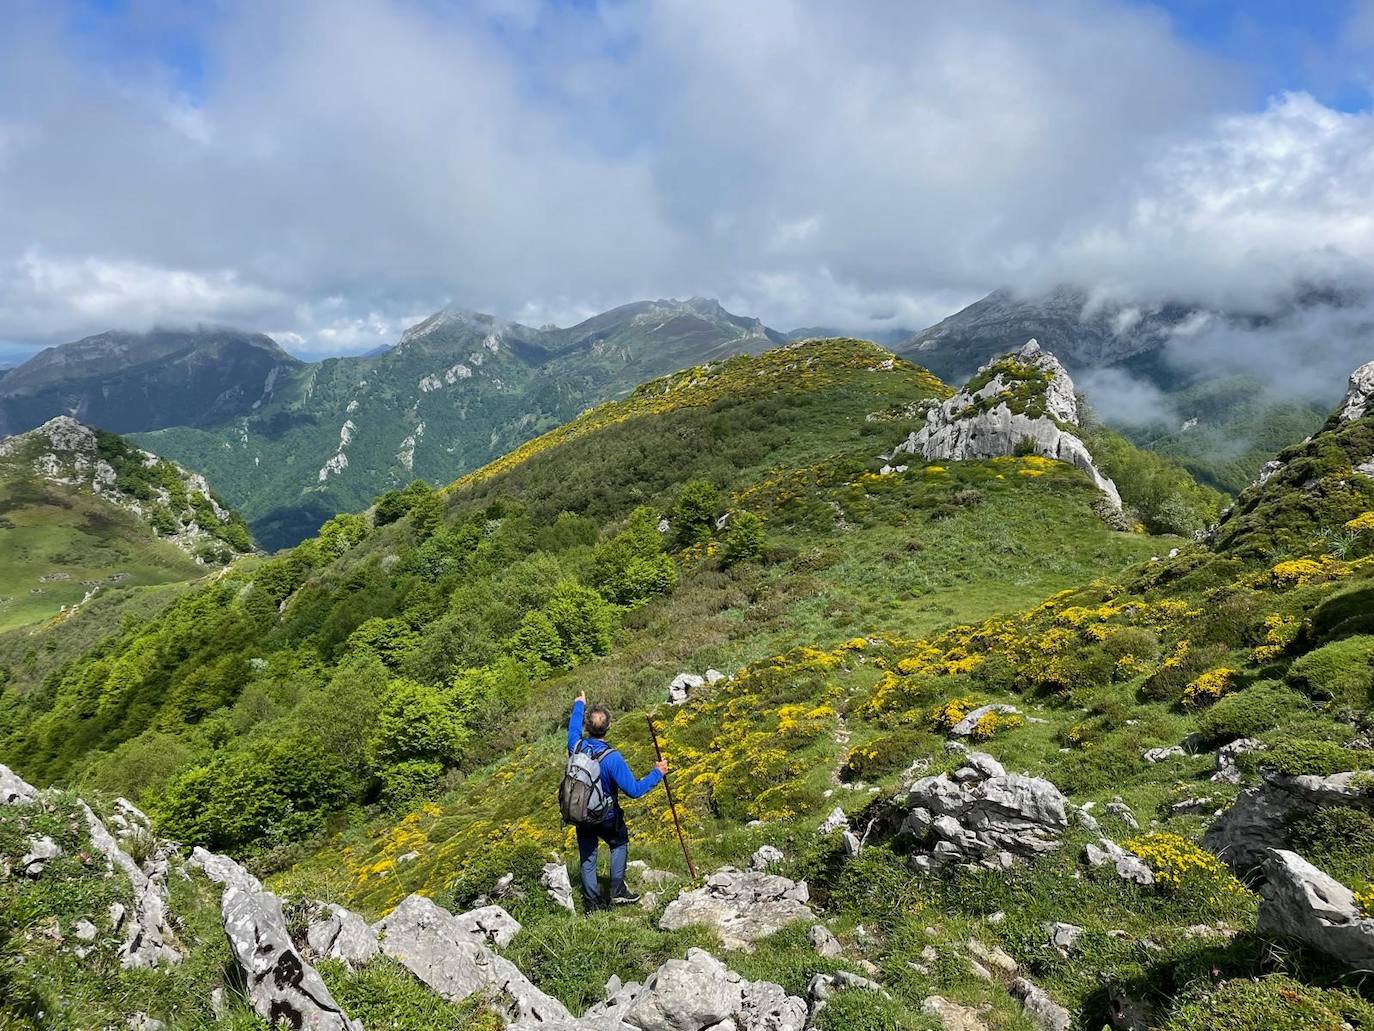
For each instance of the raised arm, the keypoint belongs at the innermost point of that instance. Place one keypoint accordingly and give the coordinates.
(575, 722)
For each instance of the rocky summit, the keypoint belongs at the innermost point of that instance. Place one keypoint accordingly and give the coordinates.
(1020, 404)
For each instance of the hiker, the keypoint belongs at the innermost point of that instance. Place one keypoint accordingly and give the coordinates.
(597, 813)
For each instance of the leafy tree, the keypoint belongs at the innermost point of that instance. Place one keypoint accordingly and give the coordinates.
(388, 639)
(694, 515)
(631, 566)
(743, 538)
(341, 533)
(396, 503)
(417, 721)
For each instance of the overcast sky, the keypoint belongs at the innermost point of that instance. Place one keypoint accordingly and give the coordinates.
(329, 172)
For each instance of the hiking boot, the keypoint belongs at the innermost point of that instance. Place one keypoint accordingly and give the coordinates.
(624, 897)
(594, 905)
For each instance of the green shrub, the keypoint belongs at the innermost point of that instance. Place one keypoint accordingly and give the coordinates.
(396, 503)
(386, 994)
(1337, 839)
(417, 721)
(631, 566)
(1131, 640)
(408, 782)
(1276, 1003)
(743, 538)
(881, 756)
(1176, 672)
(1347, 611)
(483, 869)
(858, 1009)
(1260, 707)
(1342, 670)
(694, 515)
(1322, 758)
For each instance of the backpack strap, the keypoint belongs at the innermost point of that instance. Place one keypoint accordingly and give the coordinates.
(586, 745)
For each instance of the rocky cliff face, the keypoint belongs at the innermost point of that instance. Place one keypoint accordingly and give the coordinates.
(1021, 403)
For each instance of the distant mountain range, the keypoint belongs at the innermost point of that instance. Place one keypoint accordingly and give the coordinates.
(292, 443)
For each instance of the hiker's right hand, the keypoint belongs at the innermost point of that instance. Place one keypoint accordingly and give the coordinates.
(662, 766)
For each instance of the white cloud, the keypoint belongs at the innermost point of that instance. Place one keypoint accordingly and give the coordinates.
(347, 167)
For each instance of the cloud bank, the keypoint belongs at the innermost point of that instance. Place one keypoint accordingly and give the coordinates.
(333, 172)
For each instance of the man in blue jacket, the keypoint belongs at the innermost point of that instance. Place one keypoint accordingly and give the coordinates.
(615, 778)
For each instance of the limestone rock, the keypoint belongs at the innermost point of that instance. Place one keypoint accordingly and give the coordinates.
(741, 907)
(42, 851)
(1064, 937)
(488, 925)
(765, 856)
(836, 821)
(14, 790)
(976, 815)
(1299, 901)
(1243, 835)
(822, 986)
(1159, 755)
(84, 930)
(952, 1016)
(281, 985)
(993, 421)
(1359, 395)
(965, 726)
(825, 943)
(1128, 866)
(1228, 769)
(555, 881)
(147, 938)
(1122, 812)
(341, 934)
(439, 949)
(1039, 1006)
(681, 687)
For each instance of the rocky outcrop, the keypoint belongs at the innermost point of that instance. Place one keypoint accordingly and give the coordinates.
(339, 933)
(1299, 901)
(42, 850)
(147, 936)
(281, 985)
(980, 814)
(1023, 399)
(1128, 866)
(741, 907)
(1243, 835)
(966, 726)
(14, 790)
(1359, 395)
(444, 952)
(682, 685)
(1228, 755)
(556, 883)
(1039, 1006)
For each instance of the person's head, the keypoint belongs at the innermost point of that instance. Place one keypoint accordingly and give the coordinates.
(598, 720)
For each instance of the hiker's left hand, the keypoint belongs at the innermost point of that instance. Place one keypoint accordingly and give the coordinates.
(582, 696)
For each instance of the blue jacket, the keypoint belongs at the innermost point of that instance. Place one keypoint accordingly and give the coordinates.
(615, 771)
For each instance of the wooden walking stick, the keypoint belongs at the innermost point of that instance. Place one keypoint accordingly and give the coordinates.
(672, 806)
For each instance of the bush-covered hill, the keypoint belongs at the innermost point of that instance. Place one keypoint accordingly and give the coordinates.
(83, 512)
(379, 711)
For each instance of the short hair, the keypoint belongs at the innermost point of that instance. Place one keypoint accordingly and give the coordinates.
(598, 720)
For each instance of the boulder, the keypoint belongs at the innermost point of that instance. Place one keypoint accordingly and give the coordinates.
(977, 815)
(993, 421)
(1122, 812)
(555, 881)
(681, 687)
(339, 933)
(1243, 835)
(281, 985)
(440, 950)
(1228, 769)
(693, 994)
(1039, 1006)
(14, 790)
(147, 936)
(740, 907)
(1064, 937)
(822, 986)
(1299, 901)
(965, 726)
(765, 856)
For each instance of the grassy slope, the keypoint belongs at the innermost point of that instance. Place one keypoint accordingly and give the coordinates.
(887, 559)
(47, 530)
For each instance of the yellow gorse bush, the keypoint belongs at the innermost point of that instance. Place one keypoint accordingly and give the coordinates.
(1362, 523)
(992, 723)
(1181, 866)
(1364, 897)
(1210, 686)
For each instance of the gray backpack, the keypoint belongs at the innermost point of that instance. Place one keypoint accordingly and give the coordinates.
(580, 797)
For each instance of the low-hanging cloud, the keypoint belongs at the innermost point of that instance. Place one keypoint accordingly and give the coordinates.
(342, 169)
